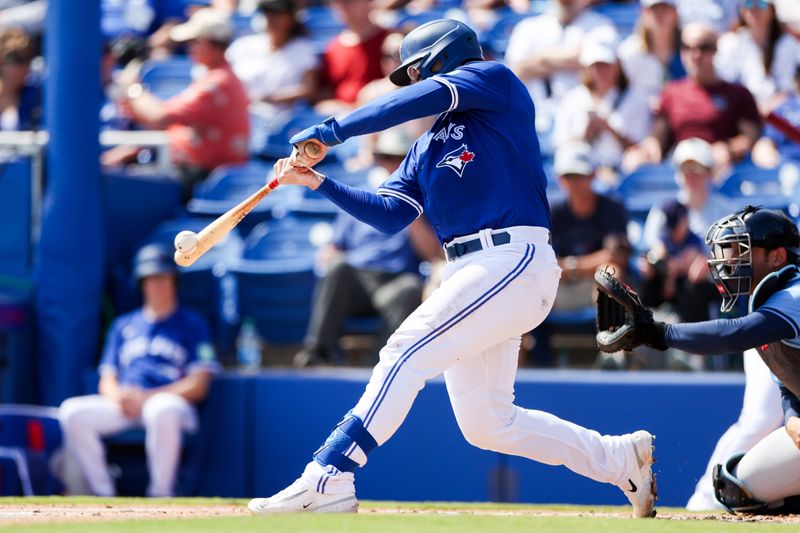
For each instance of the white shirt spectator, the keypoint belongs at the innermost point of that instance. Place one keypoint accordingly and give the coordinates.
(266, 72)
(627, 113)
(535, 35)
(644, 71)
(739, 60)
(719, 14)
(717, 206)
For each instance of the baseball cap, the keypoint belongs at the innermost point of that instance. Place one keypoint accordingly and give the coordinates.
(651, 3)
(276, 6)
(597, 53)
(204, 24)
(153, 259)
(393, 142)
(573, 158)
(788, 12)
(693, 149)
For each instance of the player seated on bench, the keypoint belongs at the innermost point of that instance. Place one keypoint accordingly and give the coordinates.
(157, 363)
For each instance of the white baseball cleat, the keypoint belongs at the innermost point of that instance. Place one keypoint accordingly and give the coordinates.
(299, 498)
(640, 484)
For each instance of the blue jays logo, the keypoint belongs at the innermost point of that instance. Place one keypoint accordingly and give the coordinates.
(457, 159)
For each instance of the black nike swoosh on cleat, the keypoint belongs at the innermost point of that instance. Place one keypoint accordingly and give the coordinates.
(306, 505)
(633, 487)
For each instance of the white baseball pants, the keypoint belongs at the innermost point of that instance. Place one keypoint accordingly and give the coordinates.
(470, 328)
(761, 414)
(771, 469)
(85, 420)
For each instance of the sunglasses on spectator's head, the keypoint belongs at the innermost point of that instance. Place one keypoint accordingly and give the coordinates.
(759, 4)
(706, 48)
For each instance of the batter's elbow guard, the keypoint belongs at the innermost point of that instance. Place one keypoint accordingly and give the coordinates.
(732, 494)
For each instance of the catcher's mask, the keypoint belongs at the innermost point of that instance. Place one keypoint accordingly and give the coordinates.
(731, 240)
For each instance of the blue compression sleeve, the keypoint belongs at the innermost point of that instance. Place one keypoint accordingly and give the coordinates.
(385, 213)
(728, 335)
(422, 99)
(791, 404)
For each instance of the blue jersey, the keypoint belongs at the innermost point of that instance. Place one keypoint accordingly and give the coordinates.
(150, 354)
(480, 165)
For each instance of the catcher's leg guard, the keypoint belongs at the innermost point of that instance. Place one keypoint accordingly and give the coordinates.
(349, 433)
(731, 493)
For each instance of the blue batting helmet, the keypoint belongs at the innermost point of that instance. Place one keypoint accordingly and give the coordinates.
(153, 259)
(437, 46)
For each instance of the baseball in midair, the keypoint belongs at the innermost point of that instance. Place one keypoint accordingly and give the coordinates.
(186, 241)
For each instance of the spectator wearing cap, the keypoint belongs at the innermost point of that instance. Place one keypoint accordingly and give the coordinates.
(20, 96)
(207, 123)
(368, 273)
(603, 111)
(589, 229)
(758, 54)
(781, 141)
(702, 105)
(157, 364)
(674, 268)
(694, 163)
(277, 66)
(352, 59)
(543, 51)
(650, 56)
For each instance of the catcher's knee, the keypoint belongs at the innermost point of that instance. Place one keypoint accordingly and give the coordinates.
(731, 492)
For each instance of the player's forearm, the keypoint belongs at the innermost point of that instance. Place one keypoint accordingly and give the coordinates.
(193, 388)
(422, 99)
(790, 404)
(723, 336)
(385, 213)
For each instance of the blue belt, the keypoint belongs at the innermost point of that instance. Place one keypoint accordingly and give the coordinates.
(457, 249)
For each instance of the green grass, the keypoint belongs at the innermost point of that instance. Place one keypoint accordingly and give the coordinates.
(425, 521)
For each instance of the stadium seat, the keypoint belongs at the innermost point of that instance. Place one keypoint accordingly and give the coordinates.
(290, 240)
(269, 137)
(167, 77)
(748, 180)
(228, 185)
(322, 24)
(29, 436)
(495, 39)
(277, 297)
(624, 16)
(647, 186)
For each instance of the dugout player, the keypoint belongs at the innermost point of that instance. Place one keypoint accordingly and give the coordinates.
(157, 362)
(477, 174)
(755, 252)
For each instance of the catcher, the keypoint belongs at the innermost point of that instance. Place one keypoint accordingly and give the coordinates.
(755, 252)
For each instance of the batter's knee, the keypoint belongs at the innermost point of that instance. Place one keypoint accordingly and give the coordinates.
(485, 424)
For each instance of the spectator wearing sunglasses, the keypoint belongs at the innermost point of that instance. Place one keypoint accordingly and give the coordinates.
(758, 54)
(704, 106)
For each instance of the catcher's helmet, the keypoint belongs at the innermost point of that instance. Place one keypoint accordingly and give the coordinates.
(153, 259)
(437, 46)
(731, 239)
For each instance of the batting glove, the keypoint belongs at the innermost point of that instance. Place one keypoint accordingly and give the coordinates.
(328, 133)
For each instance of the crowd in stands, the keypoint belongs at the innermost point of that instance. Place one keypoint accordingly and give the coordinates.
(626, 93)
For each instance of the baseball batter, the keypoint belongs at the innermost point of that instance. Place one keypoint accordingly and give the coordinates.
(755, 252)
(477, 174)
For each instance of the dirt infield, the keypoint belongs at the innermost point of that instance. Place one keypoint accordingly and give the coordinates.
(62, 513)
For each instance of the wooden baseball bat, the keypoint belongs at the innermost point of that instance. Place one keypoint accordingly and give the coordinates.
(216, 230)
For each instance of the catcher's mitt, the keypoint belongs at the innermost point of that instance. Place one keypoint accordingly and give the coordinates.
(623, 322)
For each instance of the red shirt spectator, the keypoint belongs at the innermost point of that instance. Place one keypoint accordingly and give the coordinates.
(347, 68)
(711, 113)
(208, 124)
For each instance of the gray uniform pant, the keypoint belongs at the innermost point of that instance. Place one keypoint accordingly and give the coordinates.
(771, 469)
(347, 292)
